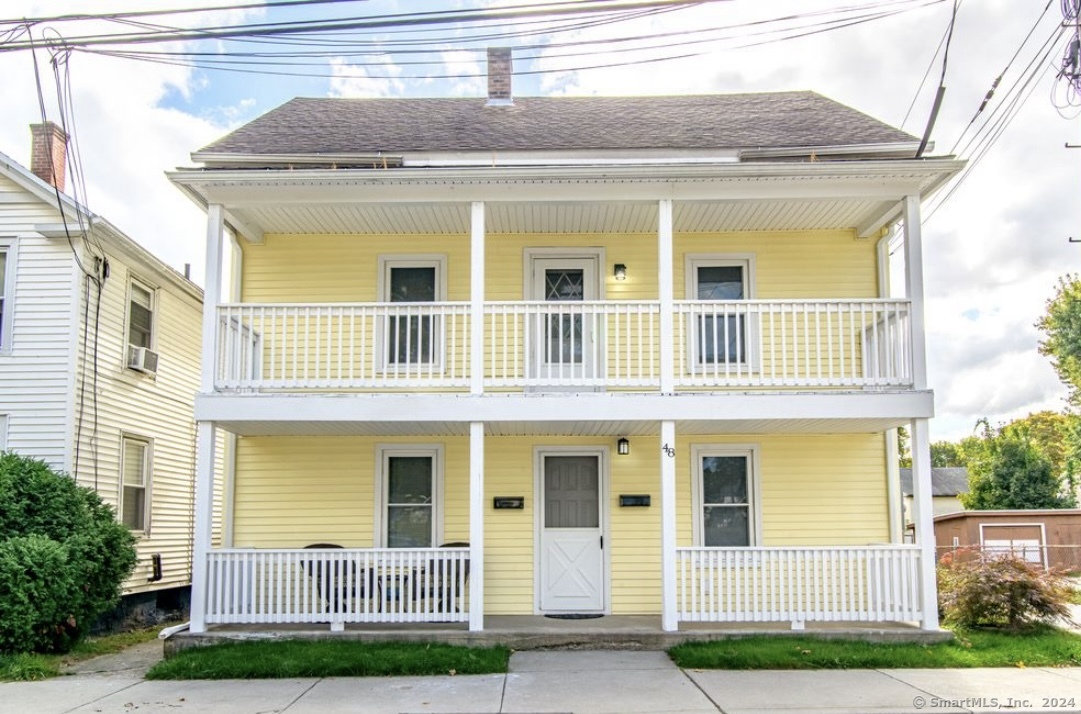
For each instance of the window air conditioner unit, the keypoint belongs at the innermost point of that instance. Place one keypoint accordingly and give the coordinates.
(142, 359)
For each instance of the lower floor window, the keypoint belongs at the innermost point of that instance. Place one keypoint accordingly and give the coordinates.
(725, 496)
(135, 480)
(410, 492)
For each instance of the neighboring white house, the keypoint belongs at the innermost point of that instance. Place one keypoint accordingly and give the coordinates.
(99, 360)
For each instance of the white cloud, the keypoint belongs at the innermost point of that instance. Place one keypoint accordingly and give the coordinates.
(349, 80)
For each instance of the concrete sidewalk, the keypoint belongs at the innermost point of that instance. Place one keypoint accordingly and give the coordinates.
(581, 682)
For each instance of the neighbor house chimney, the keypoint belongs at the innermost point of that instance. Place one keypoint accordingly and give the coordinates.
(500, 68)
(49, 153)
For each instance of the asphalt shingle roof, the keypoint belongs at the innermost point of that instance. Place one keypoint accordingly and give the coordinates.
(945, 481)
(730, 121)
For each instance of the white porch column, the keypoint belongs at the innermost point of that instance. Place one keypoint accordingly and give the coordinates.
(669, 622)
(205, 443)
(923, 517)
(914, 289)
(665, 288)
(215, 228)
(476, 298)
(476, 526)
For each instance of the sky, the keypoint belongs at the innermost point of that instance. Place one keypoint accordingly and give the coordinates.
(993, 250)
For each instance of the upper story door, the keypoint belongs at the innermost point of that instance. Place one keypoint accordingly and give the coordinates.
(564, 335)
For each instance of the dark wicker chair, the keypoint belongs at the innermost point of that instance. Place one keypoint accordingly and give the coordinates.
(441, 581)
(338, 583)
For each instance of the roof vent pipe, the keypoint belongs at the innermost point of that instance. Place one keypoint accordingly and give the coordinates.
(500, 70)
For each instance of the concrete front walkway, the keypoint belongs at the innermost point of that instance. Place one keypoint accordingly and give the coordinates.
(582, 682)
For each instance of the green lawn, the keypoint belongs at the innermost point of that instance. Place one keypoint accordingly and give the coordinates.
(328, 658)
(1043, 647)
(30, 667)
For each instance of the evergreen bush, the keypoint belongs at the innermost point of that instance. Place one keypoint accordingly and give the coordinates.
(63, 557)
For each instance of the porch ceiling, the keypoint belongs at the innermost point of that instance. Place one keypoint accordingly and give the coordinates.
(561, 217)
(862, 195)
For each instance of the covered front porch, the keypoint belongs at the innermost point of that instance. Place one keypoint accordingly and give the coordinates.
(813, 508)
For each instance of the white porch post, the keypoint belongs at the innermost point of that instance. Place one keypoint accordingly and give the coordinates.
(205, 443)
(923, 516)
(665, 288)
(669, 621)
(476, 526)
(476, 298)
(205, 433)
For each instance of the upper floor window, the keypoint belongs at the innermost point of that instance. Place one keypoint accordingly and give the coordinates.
(412, 334)
(135, 483)
(140, 315)
(725, 492)
(7, 290)
(722, 334)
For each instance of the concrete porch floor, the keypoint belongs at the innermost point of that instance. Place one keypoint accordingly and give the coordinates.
(527, 632)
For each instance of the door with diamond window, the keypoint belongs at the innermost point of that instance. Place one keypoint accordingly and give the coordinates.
(563, 336)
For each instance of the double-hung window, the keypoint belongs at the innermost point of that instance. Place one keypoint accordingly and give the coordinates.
(410, 508)
(140, 315)
(725, 492)
(135, 483)
(7, 284)
(413, 330)
(722, 331)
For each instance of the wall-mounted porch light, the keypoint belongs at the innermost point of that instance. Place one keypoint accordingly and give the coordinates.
(623, 446)
(620, 271)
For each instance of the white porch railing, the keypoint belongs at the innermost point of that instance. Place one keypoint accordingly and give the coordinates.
(779, 343)
(594, 344)
(337, 586)
(613, 344)
(798, 584)
(343, 346)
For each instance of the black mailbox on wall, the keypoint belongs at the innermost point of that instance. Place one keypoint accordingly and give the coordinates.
(508, 502)
(633, 499)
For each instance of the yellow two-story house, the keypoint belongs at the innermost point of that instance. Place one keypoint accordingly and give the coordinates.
(596, 356)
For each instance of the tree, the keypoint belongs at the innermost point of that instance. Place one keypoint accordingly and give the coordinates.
(1062, 326)
(1010, 472)
(63, 557)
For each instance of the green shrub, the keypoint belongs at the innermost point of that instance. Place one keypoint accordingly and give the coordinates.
(63, 557)
(981, 590)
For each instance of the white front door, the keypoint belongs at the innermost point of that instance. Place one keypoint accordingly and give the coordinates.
(563, 337)
(572, 573)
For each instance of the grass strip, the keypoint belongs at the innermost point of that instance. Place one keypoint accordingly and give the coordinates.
(29, 667)
(1041, 647)
(283, 659)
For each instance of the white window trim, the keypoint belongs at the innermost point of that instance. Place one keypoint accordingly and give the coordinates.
(424, 260)
(751, 451)
(11, 246)
(383, 452)
(4, 432)
(148, 473)
(693, 261)
(154, 315)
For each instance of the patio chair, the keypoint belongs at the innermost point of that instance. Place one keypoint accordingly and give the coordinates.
(439, 579)
(337, 582)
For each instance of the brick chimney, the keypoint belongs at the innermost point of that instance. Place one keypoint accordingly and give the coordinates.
(500, 69)
(49, 153)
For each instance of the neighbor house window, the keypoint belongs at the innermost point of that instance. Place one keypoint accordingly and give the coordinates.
(412, 334)
(725, 490)
(140, 315)
(7, 285)
(135, 482)
(410, 509)
(720, 334)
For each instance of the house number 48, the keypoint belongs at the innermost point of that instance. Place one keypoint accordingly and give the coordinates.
(669, 451)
